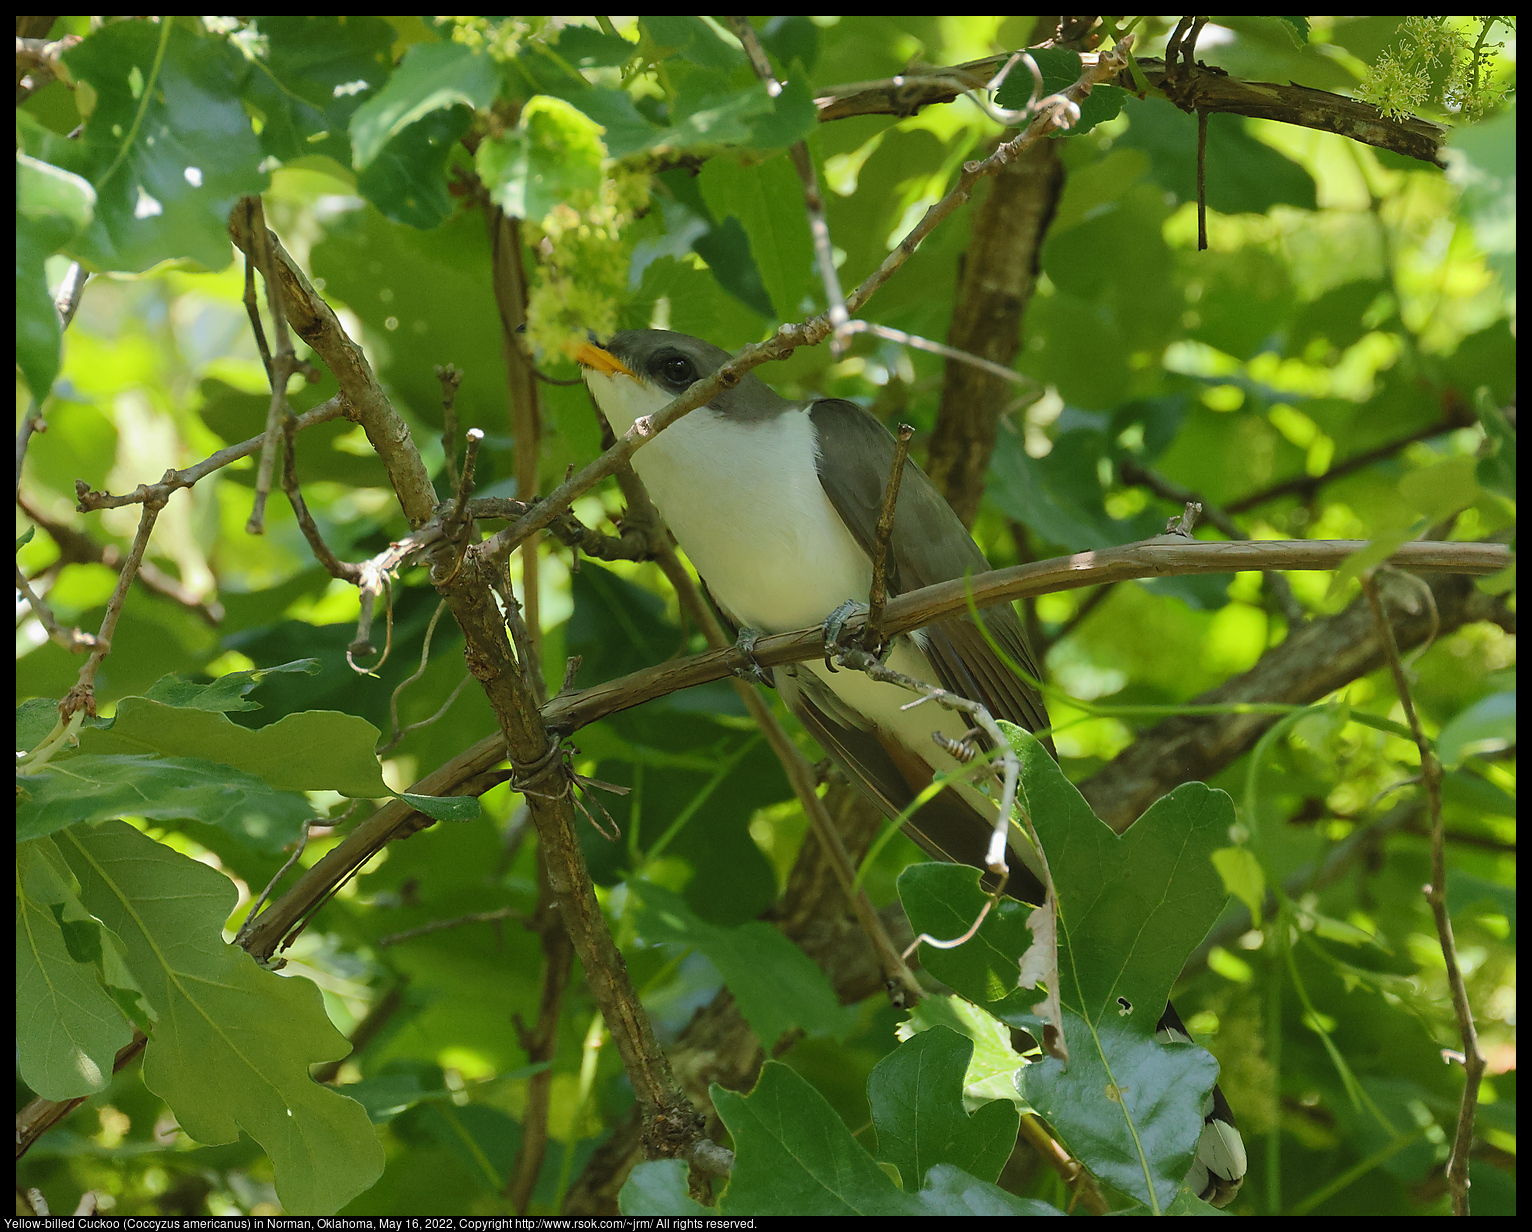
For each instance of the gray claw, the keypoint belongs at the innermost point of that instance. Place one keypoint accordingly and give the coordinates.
(744, 642)
(835, 627)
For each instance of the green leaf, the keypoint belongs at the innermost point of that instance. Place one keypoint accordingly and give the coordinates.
(1442, 488)
(1242, 877)
(767, 198)
(1481, 158)
(993, 1067)
(1130, 1106)
(407, 180)
(52, 207)
(68, 1030)
(792, 117)
(658, 1187)
(943, 900)
(225, 694)
(692, 38)
(587, 48)
(432, 77)
(1131, 908)
(484, 1139)
(93, 788)
(231, 1043)
(1060, 70)
(1487, 726)
(916, 1094)
(552, 157)
(794, 1156)
(951, 1191)
(444, 808)
(35, 718)
(315, 71)
(776, 984)
(168, 146)
(314, 750)
(624, 130)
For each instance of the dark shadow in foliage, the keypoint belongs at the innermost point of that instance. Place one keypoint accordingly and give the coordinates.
(687, 758)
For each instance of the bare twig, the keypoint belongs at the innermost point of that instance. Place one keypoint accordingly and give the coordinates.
(1200, 88)
(72, 639)
(83, 695)
(333, 565)
(89, 500)
(458, 921)
(279, 368)
(78, 548)
(942, 349)
(67, 301)
(1436, 895)
(450, 379)
(1135, 473)
(995, 858)
(398, 732)
(878, 595)
(914, 609)
(526, 419)
(255, 907)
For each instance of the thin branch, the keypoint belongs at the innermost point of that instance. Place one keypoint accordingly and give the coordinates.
(255, 907)
(914, 609)
(540, 1043)
(450, 379)
(1436, 895)
(1200, 88)
(436, 926)
(77, 548)
(88, 500)
(526, 415)
(1134, 472)
(942, 349)
(878, 594)
(278, 370)
(333, 565)
(74, 640)
(82, 696)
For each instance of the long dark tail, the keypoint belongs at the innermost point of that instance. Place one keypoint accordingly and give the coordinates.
(1219, 1169)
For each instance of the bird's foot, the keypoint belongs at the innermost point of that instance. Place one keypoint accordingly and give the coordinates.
(745, 642)
(838, 639)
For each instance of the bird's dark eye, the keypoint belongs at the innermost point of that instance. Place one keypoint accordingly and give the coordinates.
(677, 370)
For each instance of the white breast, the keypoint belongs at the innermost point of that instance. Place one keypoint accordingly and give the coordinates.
(746, 505)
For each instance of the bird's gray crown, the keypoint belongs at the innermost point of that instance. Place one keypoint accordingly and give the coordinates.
(672, 362)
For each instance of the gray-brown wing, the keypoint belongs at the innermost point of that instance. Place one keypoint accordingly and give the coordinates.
(929, 544)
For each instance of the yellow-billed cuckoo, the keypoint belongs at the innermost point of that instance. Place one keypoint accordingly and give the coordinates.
(776, 504)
